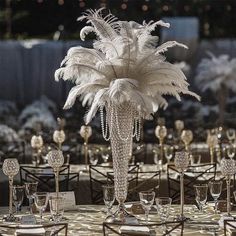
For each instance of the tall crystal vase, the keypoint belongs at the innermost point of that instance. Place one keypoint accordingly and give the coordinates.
(120, 122)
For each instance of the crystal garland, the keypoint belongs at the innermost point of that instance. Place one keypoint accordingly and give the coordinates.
(106, 131)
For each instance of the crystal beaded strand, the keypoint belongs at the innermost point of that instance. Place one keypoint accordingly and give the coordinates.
(105, 129)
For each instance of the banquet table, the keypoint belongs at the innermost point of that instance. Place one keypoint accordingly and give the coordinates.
(88, 219)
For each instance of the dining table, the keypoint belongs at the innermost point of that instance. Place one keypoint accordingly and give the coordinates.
(86, 220)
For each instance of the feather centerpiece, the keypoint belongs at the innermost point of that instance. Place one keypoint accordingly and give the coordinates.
(218, 75)
(126, 74)
(213, 72)
(125, 65)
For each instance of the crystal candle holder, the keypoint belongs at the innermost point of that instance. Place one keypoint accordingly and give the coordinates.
(10, 168)
(56, 160)
(181, 163)
(228, 169)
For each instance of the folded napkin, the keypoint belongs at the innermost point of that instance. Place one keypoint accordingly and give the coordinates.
(30, 232)
(134, 230)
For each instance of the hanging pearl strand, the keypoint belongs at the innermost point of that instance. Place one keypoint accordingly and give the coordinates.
(137, 128)
(105, 129)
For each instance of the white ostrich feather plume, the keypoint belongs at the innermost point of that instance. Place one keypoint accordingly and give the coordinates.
(125, 64)
(213, 72)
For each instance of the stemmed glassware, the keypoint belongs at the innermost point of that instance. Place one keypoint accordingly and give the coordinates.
(201, 195)
(41, 202)
(230, 133)
(147, 200)
(187, 138)
(228, 169)
(230, 150)
(181, 163)
(10, 168)
(18, 193)
(163, 208)
(215, 190)
(56, 204)
(30, 190)
(93, 158)
(169, 152)
(108, 197)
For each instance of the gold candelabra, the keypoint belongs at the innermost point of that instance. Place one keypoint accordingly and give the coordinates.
(212, 141)
(161, 133)
(37, 145)
(59, 135)
(187, 138)
(86, 132)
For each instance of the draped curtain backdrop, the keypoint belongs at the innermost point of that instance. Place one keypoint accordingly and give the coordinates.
(27, 70)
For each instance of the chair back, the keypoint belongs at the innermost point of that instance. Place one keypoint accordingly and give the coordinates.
(230, 227)
(52, 229)
(196, 174)
(175, 227)
(147, 181)
(45, 177)
(101, 175)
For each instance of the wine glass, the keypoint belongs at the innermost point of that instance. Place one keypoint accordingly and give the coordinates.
(41, 202)
(93, 158)
(201, 195)
(18, 196)
(10, 168)
(30, 190)
(187, 138)
(215, 190)
(168, 151)
(57, 207)
(108, 197)
(230, 133)
(228, 168)
(230, 150)
(163, 208)
(147, 200)
(181, 163)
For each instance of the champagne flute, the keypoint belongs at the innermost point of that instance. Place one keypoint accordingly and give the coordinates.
(147, 200)
(18, 196)
(201, 195)
(30, 190)
(108, 197)
(41, 202)
(215, 190)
